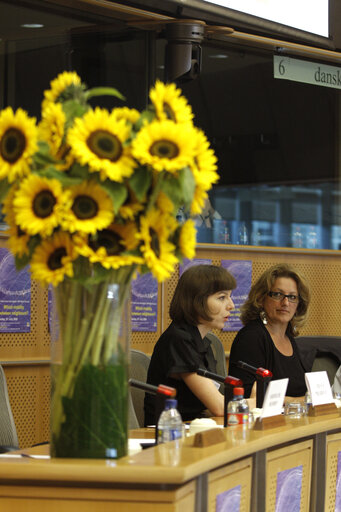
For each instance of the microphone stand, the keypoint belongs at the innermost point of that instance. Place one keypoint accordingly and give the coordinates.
(161, 391)
(229, 383)
(263, 377)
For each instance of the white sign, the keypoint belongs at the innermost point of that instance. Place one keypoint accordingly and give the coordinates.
(319, 388)
(307, 72)
(308, 15)
(274, 398)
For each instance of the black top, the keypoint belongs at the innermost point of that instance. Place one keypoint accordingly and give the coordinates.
(180, 349)
(253, 345)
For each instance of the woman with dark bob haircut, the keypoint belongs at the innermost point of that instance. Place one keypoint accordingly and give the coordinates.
(273, 313)
(201, 302)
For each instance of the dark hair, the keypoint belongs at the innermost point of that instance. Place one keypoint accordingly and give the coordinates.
(196, 284)
(254, 303)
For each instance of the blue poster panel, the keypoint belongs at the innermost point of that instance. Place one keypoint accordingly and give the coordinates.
(242, 272)
(15, 295)
(338, 484)
(229, 501)
(144, 295)
(288, 490)
(190, 263)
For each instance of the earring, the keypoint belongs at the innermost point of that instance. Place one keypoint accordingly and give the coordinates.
(263, 317)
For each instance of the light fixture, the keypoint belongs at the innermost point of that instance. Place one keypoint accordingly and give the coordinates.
(218, 56)
(32, 25)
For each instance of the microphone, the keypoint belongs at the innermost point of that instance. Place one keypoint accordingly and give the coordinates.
(232, 381)
(228, 382)
(161, 389)
(261, 372)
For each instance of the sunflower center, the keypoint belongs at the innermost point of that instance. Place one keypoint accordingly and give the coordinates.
(85, 207)
(155, 245)
(109, 240)
(164, 149)
(54, 261)
(13, 144)
(43, 204)
(105, 145)
(169, 112)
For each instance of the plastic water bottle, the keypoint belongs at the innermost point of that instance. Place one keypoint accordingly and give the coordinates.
(243, 235)
(170, 422)
(237, 408)
(297, 238)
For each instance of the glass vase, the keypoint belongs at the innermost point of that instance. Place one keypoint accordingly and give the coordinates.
(90, 343)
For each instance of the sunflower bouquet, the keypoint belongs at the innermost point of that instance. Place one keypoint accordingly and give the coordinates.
(91, 196)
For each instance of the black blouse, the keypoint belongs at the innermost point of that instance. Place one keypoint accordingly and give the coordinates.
(253, 345)
(180, 349)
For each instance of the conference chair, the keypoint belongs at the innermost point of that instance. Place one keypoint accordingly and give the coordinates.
(8, 432)
(320, 353)
(139, 364)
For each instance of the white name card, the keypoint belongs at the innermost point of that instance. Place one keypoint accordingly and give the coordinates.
(319, 388)
(307, 72)
(274, 398)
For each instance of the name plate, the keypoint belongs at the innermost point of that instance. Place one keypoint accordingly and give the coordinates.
(319, 388)
(306, 72)
(274, 398)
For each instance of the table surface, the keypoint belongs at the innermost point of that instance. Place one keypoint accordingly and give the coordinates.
(166, 463)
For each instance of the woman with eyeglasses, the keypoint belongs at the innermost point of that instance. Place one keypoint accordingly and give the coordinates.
(275, 310)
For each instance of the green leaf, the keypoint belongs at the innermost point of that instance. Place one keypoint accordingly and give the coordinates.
(65, 179)
(146, 116)
(104, 91)
(171, 186)
(96, 414)
(4, 188)
(187, 183)
(73, 109)
(140, 182)
(79, 171)
(117, 192)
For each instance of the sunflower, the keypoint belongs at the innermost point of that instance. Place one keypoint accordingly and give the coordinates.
(98, 140)
(17, 240)
(165, 145)
(198, 202)
(204, 166)
(91, 209)
(62, 88)
(169, 104)
(158, 252)
(18, 143)
(109, 246)
(39, 205)
(164, 204)
(187, 239)
(131, 115)
(52, 259)
(131, 207)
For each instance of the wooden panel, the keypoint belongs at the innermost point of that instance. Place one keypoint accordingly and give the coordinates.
(333, 450)
(227, 478)
(322, 270)
(29, 393)
(57, 499)
(299, 454)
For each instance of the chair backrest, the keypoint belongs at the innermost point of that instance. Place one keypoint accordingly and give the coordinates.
(320, 353)
(8, 432)
(139, 364)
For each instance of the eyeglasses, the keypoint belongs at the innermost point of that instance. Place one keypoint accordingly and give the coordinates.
(278, 296)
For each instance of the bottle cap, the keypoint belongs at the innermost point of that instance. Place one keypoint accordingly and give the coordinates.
(238, 391)
(171, 403)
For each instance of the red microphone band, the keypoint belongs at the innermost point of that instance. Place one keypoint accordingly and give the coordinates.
(262, 372)
(233, 381)
(162, 389)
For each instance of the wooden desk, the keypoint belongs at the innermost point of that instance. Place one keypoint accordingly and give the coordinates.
(165, 479)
